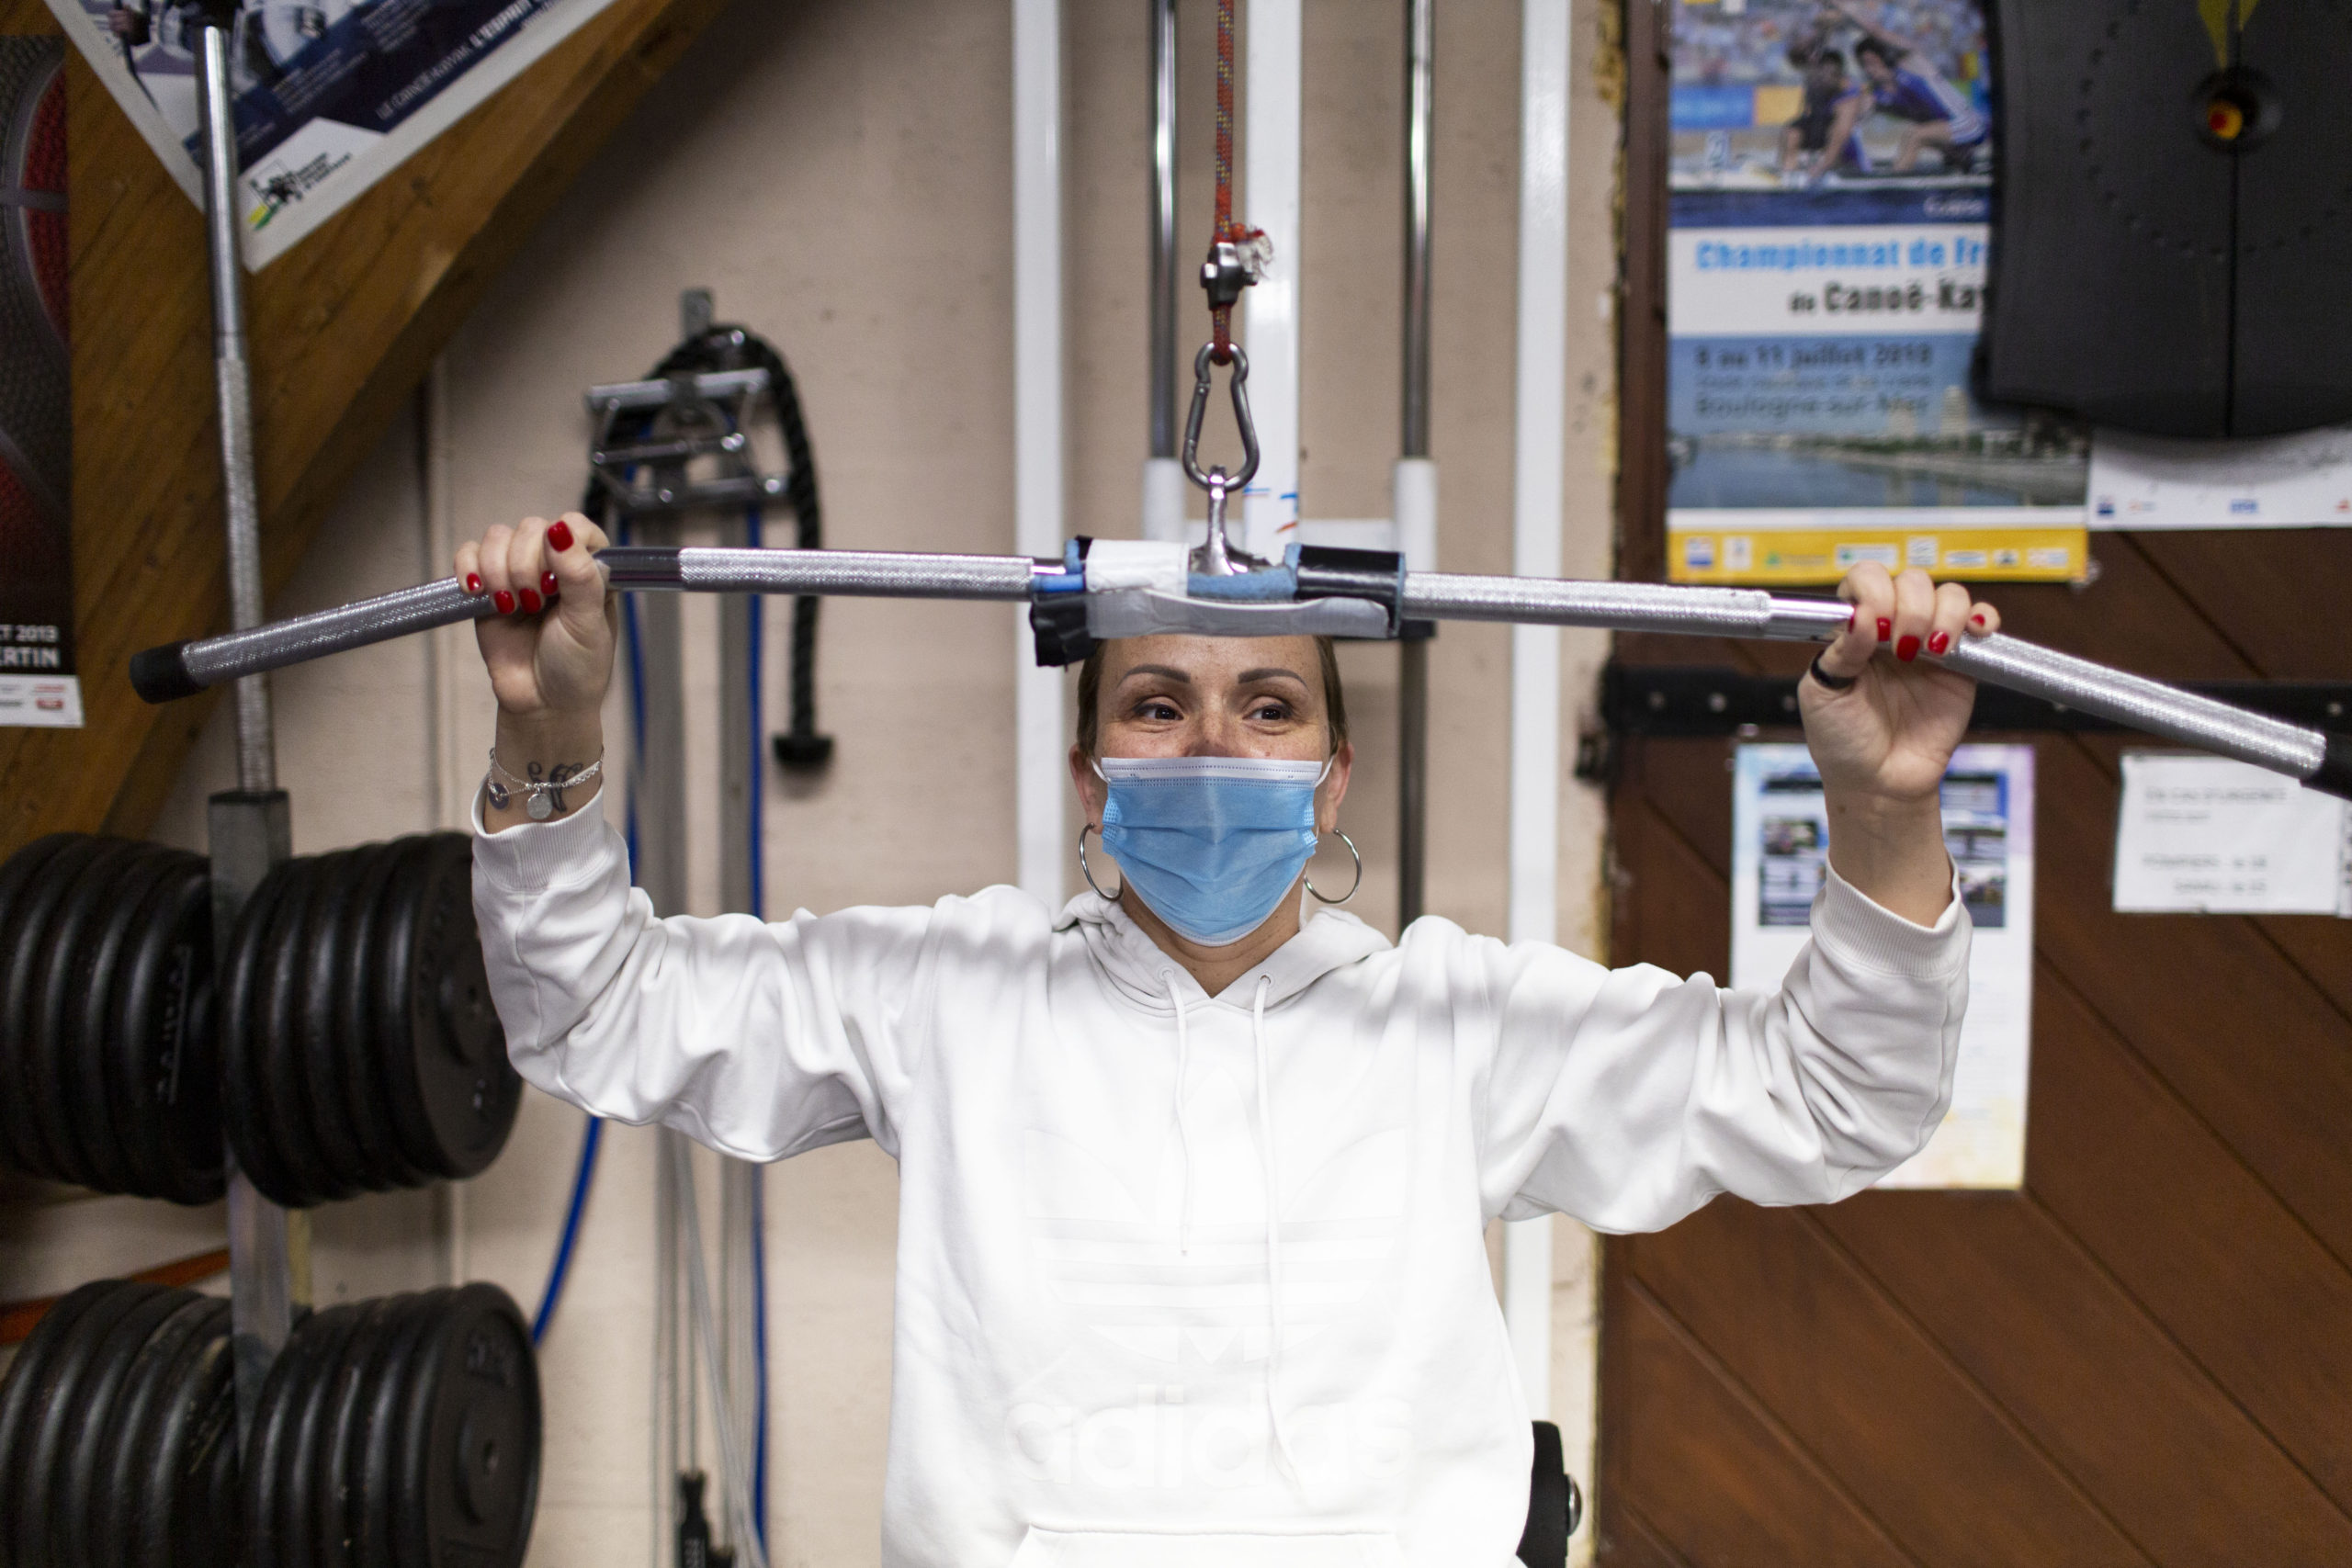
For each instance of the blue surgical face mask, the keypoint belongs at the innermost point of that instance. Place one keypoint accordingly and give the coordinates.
(1211, 844)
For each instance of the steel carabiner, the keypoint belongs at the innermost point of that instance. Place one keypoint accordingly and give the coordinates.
(1201, 384)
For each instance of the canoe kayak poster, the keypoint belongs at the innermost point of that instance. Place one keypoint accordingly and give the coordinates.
(1829, 219)
(330, 95)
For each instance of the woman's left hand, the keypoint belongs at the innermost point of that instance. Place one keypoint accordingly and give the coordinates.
(1890, 736)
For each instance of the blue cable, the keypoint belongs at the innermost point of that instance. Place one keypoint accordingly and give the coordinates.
(580, 1179)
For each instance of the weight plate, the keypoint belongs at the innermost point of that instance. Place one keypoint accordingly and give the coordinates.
(470, 1092)
(146, 1022)
(318, 1029)
(104, 1141)
(392, 1026)
(23, 1396)
(303, 1486)
(67, 1375)
(75, 1494)
(21, 994)
(345, 1432)
(109, 1523)
(244, 1113)
(199, 1409)
(210, 1533)
(270, 1454)
(469, 1473)
(17, 876)
(278, 1012)
(59, 969)
(356, 968)
(386, 1399)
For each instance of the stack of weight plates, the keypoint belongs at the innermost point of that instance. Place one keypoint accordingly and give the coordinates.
(401, 1432)
(106, 1071)
(359, 1048)
(118, 1434)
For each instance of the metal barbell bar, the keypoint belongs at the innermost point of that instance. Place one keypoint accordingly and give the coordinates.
(2314, 757)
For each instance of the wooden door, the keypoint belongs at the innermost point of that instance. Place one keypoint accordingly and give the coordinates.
(2145, 1355)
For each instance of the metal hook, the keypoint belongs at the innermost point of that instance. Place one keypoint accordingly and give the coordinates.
(1201, 384)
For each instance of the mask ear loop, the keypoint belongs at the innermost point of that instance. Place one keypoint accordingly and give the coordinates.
(1353, 885)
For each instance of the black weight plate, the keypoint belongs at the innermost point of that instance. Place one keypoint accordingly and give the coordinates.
(198, 1408)
(116, 1047)
(17, 877)
(210, 1532)
(470, 1089)
(344, 1432)
(59, 969)
(190, 1075)
(356, 968)
(318, 1029)
(83, 1034)
(245, 1111)
(279, 1010)
(65, 1378)
(469, 1440)
(76, 1493)
(110, 1524)
(23, 1393)
(387, 1399)
(146, 1022)
(303, 1483)
(21, 994)
(392, 1029)
(271, 1457)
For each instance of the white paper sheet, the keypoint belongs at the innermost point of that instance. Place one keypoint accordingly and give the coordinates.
(2204, 835)
(1780, 845)
(2285, 482)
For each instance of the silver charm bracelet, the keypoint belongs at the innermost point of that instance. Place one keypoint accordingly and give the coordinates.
(542, 797)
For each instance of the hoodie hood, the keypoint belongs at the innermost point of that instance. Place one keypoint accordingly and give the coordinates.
(1137, 969)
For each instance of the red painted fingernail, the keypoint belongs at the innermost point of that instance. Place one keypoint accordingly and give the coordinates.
(1851, 616)
(546, 583)
(1978, 618)
(559, 535)
(1938, 642)
(1906, 650)
(533, 603)
(473, 582)
(504, 601)
(1885, 629)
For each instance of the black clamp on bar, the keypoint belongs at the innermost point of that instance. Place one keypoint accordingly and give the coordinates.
(1328, 571)
(1057, 610)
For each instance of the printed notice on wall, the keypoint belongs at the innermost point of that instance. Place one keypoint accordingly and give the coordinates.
(2205, 835)
(1780, 853)
(1829, 225)
(38, 687)
(330, 95)
(2283, 482)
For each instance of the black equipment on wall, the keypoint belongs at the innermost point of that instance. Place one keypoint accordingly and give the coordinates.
(2173, 228)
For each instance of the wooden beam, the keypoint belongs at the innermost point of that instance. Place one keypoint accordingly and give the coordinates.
(342, 329)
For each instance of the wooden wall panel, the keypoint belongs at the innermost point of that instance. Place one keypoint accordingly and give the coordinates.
(342, 329)
(2145, 1355)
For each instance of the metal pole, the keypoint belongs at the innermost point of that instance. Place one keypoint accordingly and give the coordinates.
(1413, 653)
(1166, 423)
(248, 829)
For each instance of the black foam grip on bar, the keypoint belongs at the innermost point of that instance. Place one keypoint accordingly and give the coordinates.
(2335, 775)
(160, 674)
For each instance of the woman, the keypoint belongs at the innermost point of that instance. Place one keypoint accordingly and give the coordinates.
(1192, 1194)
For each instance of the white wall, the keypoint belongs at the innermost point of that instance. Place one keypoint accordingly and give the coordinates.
(838, 173)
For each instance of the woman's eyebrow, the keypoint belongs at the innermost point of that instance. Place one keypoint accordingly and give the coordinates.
(1165, 672)
(1269, 674)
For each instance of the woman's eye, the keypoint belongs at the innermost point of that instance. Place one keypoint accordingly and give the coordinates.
(1272, 713)
(1158, 711)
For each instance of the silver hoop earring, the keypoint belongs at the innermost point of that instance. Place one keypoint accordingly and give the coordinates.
(1353, 885)
(1089, 871)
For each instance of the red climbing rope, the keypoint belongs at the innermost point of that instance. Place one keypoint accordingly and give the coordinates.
(1225, 231)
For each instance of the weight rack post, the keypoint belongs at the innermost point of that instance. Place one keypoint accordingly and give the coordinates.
(249, 829)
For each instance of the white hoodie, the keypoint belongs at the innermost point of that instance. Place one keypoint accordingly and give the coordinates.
(1105, 1353)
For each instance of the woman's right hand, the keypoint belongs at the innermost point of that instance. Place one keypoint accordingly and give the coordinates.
(549, 647)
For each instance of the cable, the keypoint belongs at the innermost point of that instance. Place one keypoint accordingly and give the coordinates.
(730, 1453)
(561, 1267)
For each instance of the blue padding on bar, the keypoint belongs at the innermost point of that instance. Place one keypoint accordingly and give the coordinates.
(1280, 583)
(1064, 582)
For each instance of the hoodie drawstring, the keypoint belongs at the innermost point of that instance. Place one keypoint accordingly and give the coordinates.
(1273, 1233)
(1183, 1132)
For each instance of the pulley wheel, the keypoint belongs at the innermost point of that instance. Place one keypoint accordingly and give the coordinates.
(469, 1465)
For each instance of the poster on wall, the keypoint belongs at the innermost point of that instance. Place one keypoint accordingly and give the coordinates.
(1779, 848)
(1830, 208)
(38, 687)
(2281, 481)
(330, 95)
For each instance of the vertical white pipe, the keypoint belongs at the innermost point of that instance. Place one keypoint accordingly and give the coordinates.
(1038, 773)
(1537, 474)
(1271, 77)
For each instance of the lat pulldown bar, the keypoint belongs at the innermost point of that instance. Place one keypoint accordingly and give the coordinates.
(1292, 598)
